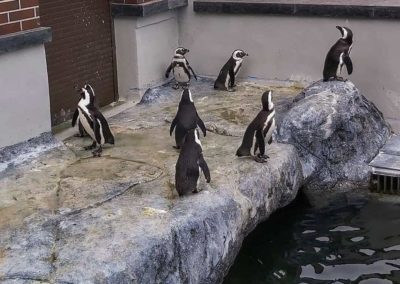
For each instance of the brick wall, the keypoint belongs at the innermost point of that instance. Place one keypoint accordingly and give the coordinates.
(130, 1)
(18, 15)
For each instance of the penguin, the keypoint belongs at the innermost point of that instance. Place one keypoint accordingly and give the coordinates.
(186, 118)
(181, 68)
(338, 55)
(189, 164)
(93, 121)
(262, 128)
(226, 77)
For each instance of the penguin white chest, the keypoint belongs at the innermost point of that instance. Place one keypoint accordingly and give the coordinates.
(180, 74)
(270, 130)
(341, 62)
(86, 124)
(268, 136)
(238, 64)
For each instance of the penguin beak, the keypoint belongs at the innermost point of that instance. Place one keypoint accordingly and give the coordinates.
(187, 50)
(340, 29)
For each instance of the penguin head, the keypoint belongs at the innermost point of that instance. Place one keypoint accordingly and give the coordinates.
(238, 54)
(347, 34)
(87, 95)
(186, 96)
(193, 136)
(181, 51)
(266, 100)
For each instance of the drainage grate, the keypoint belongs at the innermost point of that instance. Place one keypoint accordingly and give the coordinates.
(385, 184)
(385, 168)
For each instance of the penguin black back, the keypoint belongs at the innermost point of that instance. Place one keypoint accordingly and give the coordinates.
(338, 55)
(189, 164)
(186, 118)
(260, 128)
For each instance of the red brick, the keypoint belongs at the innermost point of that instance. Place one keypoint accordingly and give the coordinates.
(37, 11)
(3, 18)
(119, 1)
(23, 14)
(10, 28)
(30, 24)
(9, 6)
(29, 3)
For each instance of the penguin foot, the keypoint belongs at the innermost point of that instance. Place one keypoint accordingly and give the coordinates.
(90, 147)
(195, 190)
(176, 147)
(97, 152)
(176, 86)
(340, 79)
(231, 90)
(261, 158)
(79, 135)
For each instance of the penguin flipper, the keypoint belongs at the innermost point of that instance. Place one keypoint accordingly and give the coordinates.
(82, 131)
(168, 70)
(75, 117)
(200, 123)
(231, 77)
(349, 63)
(204, 167)
(173, 124)
(191, 69)
(260, 142)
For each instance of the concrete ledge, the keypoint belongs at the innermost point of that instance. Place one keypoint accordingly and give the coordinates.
(11, 156)
(348, 9)
(23, 39)
(146, 9)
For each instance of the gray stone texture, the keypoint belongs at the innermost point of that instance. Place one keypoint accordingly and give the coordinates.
(66, 217)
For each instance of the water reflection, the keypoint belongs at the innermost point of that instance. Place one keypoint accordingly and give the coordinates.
(354, 240)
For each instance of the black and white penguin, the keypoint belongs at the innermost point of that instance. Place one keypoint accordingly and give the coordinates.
(181, 68)
(93, 121)
(261, 128)
(186, 118)
(189, 164)
(338, 55)
(226, 77)
(75, 118)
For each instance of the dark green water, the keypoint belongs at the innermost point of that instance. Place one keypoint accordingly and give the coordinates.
(353, 240)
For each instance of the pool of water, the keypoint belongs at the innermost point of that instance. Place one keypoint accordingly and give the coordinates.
(354, 239)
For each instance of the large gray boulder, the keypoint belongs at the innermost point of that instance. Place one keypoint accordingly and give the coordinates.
(337, 132)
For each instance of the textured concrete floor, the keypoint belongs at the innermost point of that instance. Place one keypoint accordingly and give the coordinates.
(66, 217)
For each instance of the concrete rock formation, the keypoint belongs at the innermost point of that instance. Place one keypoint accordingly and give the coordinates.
(68, 218)
(336, 131)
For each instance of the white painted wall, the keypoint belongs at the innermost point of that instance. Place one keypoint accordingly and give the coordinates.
(283, 47)
(280, 47)
(144, 49)
(24, 98)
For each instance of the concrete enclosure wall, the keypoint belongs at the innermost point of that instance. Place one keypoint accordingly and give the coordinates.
(144, 49)
(283, 47)
(24, 95)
